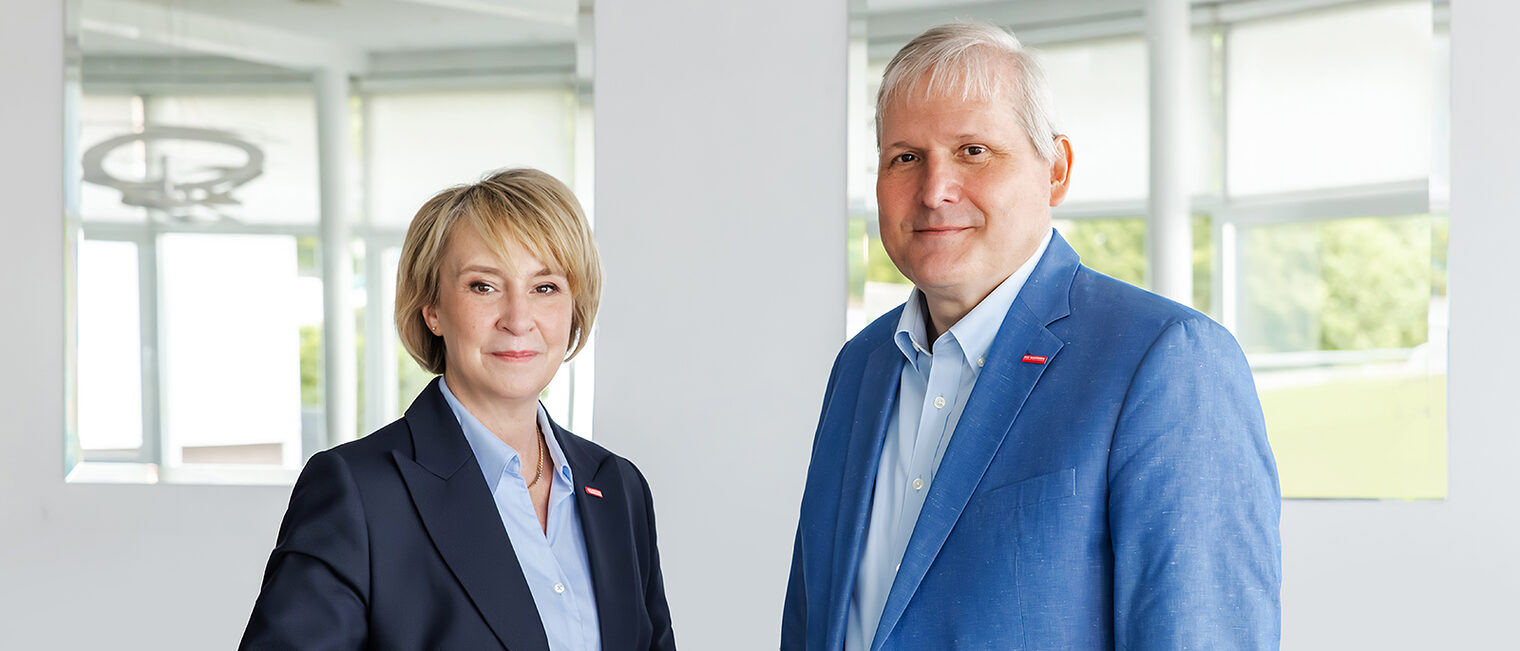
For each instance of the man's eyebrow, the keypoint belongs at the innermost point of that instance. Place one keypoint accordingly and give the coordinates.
(958, 137)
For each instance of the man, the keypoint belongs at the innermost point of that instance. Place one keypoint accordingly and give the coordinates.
(1027, 454)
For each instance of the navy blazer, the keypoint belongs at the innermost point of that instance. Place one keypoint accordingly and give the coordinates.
(393, 542)
(1108, 486)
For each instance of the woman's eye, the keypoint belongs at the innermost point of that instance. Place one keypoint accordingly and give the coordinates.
(481, 288)
(546, 288)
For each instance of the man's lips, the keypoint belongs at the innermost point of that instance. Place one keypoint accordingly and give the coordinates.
(514, 355)
(941, 230)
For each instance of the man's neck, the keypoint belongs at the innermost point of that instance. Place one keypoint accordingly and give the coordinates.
(943, 310)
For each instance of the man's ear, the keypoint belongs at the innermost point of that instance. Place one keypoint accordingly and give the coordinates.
(1060, 171)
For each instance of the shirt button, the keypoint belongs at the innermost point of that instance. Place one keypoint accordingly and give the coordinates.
(980, 361)
(939, 402)
(918, 483)
(559, 588)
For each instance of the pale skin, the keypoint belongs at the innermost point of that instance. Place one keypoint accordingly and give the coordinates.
(506, 330)
(964, 197)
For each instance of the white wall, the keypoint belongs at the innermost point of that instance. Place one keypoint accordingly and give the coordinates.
(720, 164)
(90, 567)
(720, 159)
(1443, 575)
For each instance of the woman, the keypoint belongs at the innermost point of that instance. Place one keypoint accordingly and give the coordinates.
(475, 522)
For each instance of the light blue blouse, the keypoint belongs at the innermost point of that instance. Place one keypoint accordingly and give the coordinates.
(554, 561)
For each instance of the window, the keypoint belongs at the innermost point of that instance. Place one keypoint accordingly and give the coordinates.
(202, 307)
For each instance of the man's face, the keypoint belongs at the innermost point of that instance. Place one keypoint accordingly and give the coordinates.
(964, 198)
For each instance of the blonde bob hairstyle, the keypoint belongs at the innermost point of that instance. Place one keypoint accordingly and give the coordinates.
(522, 205)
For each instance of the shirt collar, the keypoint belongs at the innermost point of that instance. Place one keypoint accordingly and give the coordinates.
(495, 457)
(974, 332)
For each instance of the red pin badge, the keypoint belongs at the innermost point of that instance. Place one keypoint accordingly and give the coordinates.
(1035, 359)
(594, 492)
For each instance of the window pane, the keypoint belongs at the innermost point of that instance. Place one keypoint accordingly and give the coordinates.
(1330, 98)
(1344, 322)
(284, 127)
(1100, 95)
(102, 117)
(110, 345)
(230, 328)
(1350, 284)
(1117, 247)
(421, 143)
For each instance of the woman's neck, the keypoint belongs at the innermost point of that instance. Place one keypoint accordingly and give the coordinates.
(515, 422)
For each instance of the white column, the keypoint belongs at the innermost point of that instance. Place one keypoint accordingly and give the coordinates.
(338, 355)
(1171, 236)
(720, 200)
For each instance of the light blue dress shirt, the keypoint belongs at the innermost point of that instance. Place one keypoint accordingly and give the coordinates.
(554, 561)
(931, 395)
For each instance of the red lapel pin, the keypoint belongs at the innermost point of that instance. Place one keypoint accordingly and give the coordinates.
(594, 492)
(1035, 359)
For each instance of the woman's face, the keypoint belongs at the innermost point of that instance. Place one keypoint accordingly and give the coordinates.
(505, 330)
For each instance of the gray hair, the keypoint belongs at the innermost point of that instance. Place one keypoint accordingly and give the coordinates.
(977, 61)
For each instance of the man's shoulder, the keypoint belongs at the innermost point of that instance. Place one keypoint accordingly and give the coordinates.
(872, 336)
(1100, 299)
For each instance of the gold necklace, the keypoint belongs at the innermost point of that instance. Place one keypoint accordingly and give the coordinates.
(540, 473)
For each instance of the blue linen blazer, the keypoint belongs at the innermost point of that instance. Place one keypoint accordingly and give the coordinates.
(394, 542)
(1109, 486)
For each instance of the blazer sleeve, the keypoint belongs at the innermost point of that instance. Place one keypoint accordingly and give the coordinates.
(663, 637)
(1194, 501)
(315, 590)
(794, 609)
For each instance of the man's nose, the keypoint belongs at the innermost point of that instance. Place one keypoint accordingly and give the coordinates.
(942, 183)
(516, 314)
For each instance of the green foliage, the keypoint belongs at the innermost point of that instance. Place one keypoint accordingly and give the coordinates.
(1350, 284)
(1111, 246)
(856, 257)
(311, 366)
(879, 267)
(1116, 247)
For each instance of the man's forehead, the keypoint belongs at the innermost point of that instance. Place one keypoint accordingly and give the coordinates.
(967, 80)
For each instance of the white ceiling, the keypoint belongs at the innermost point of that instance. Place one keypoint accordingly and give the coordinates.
(364, 27)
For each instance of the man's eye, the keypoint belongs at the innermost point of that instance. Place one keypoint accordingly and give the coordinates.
(481, 288)
(975, 150)
(904, 158)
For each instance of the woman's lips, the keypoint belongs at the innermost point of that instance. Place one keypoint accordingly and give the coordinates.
(515, 355)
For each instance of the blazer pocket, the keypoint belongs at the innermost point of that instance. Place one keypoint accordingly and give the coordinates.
(1032, 491)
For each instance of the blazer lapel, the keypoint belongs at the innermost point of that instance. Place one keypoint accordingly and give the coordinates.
(873, 408)
(994, 404)
(604, 527)
(460, 515)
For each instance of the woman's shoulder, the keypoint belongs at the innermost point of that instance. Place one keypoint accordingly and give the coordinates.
(598, 458)
(373, 450)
